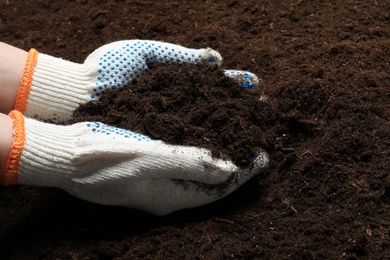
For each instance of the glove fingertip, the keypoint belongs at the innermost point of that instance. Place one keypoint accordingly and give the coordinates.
(213, 57)
(248, 80)
(260, 160)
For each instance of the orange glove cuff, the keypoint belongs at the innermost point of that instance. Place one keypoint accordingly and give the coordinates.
(10, 176)
(25, 85)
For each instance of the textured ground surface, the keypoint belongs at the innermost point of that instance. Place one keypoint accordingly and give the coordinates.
(323, 64)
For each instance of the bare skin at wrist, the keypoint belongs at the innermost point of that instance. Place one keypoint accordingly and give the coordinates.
(12, 62)
(6, 139)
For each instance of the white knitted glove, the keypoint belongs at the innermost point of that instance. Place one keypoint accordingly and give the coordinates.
(112, 166)
(53, 88)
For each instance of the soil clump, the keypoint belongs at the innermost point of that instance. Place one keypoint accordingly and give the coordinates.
(187, 105)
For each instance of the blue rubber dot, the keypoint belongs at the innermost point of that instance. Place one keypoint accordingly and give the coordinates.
(211, 59)
(247, 85)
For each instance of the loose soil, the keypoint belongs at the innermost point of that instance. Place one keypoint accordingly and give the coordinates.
(187, 105)
(324, 66)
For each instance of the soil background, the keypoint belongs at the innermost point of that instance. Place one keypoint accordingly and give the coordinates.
(323, 64)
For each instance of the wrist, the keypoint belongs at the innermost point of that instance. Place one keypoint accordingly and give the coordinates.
(5, 141)
(12, 138)
(52, 88)
(39, 153)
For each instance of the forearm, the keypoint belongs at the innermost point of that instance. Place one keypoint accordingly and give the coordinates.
(12, 62)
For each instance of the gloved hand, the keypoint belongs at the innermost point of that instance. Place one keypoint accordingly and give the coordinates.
(112, 166)
(52, 88)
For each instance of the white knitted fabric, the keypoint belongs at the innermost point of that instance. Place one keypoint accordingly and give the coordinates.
(59, 86)
(113, 166)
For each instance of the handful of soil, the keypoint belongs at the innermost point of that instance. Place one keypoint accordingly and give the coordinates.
(186, 105)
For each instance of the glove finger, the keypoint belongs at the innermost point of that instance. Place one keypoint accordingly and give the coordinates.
(161, 52)
(162, 196)
(137, 156)
(247, 79)
(172, 195)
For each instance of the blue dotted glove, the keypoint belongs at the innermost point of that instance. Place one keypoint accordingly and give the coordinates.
(113, 166)
(58, 87)
(120, 62)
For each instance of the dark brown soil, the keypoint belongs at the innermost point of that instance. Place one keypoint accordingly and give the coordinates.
(324, 66)
(188, 105)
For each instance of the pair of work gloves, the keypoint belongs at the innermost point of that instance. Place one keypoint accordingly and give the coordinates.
(105, 164)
